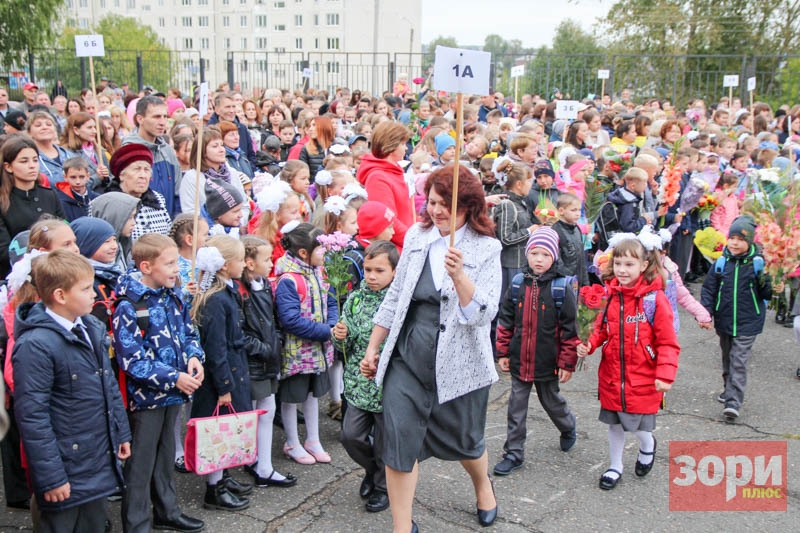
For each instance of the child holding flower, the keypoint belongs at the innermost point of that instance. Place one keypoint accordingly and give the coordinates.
(536, 342)
(640, 357)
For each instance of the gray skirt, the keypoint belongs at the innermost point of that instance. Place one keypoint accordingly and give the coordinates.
(417, 426)
(261, 389)
(629, 421)
(295, 389)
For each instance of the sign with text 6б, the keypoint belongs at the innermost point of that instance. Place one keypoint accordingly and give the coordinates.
(727, 476)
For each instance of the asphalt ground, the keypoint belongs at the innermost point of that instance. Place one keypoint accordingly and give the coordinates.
(554, 491)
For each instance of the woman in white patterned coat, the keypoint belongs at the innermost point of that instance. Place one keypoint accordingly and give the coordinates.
(436, 365)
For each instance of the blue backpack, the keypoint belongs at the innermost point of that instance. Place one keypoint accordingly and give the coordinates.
(649, 304)
(558, 289)
(719, 264)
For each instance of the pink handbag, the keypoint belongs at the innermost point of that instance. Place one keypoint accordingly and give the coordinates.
(219, 441)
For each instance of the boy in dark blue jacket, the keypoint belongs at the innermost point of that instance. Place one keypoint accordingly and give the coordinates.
(73, 192)
(628, 202)
(158, 350)
(68, 406)
(735, 293)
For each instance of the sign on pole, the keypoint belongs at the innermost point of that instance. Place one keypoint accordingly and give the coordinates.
(461, 71)
(730, 81)
(567, 109)
(517, 71)
(603, 74)
(203, 98)
(89, 46)
(751, 84)
(307, 72)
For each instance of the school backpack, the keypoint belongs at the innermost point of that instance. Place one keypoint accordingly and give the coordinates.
(356, 257)
(607, 224)
(649, 304)
(558, 289)
(111, 301)
(719, 265)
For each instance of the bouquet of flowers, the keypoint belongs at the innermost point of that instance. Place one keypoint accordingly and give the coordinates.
(619, 163)
(336, 268)
(707, 204)
(592, 300)
(546, 212)
(710, 242)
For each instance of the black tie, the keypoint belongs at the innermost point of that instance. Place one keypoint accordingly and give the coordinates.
(80, 332)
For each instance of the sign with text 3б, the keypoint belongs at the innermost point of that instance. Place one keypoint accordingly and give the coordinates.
(731, 80)
(603, 74)
(727, 476)
(461, 71)
(89, 45)
(567, 109)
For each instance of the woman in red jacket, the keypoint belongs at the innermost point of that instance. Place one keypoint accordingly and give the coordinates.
(383, 178)
(640, 355)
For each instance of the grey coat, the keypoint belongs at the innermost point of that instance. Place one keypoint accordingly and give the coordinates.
(464, 360)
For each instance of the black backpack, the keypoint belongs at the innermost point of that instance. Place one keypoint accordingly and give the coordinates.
(607, 224)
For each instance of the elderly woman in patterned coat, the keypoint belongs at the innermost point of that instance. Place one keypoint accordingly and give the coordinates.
(132, 166)
(436, 366)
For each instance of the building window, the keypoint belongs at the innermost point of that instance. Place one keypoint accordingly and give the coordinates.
(280, 27)
(187, 44)
(84, 3)
(202, 22)
(161, 22)
(243, 44)
(226, 21)
(146, 8)
(261, 21)
(316, 42)
(204, 43)
(280, 50)
(298, 20)
(202, 2)
(226, 2)
(227, 43)
(83, 23)
(243, 21)
(316, 20)
(243, 2)
(279, 73)
(116, 3)
(332, 19)
(333, 43)
(261, 66)
(186, 22)
(102, 4)
(131, 4)
(298, 43)
(279, 4)
(261, 43)
(186, 2)
(332, 67)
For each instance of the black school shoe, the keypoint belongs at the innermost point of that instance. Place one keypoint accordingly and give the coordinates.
(261, 482)
(507, 465)
(239, 489)
(567, 440)
(185, 524)
(608, 482)
(219, 497)
(642, 469)
(367, 486)
(378, 501)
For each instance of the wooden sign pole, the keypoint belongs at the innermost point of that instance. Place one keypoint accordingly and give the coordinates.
(98, 143)
(730, 96)
(197, 180)
(602, 89)
(516, 90)
(751, 101)
(457, 167)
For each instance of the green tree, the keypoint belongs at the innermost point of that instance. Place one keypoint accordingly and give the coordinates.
(26, 26)
(124, 39)
(441, 40)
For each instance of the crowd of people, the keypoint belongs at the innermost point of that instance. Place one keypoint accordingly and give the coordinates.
(198, 263)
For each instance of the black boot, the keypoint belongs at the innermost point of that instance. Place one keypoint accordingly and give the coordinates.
(236, 487)
(219, 497)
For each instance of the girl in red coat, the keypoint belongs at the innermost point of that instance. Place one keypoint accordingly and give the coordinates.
(640, 353)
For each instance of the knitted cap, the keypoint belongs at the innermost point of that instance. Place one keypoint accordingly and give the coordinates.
(126, 155)
(90, 234)
(744, 227)
(373, 218)
(221, 197)
(226, 127)
(544, 237)
(443, 142)
(173, 104)
(543, 166)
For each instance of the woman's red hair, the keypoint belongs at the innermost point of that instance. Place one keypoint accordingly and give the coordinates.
(471, 198)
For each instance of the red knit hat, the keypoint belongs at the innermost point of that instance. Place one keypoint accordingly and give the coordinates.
(128, 154)
(373, 218)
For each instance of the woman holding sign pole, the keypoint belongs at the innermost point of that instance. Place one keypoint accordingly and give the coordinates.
(436, 365)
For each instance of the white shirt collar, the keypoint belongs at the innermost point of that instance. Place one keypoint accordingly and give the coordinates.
(438, 248)
(61, 321)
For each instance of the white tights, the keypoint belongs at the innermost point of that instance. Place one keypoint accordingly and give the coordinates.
(289, 415)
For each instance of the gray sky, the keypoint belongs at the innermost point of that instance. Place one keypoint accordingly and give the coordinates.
(531, 21)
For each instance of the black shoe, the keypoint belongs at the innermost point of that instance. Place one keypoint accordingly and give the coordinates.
(789, 323)
(378, 501)
(261, 482)
(507, 465)
(239, 489)
(301, 419)
(24, 505)
(183, 523)
(487, 518)
(108, 527)
(180, 465)
(278, 420)
(608, 482)
(414, 528)
(567, 440)
(731, 413)
(367, 486)
(219, 497)
(642, 469)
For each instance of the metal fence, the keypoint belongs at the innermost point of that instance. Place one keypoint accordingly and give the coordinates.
(674, 77)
